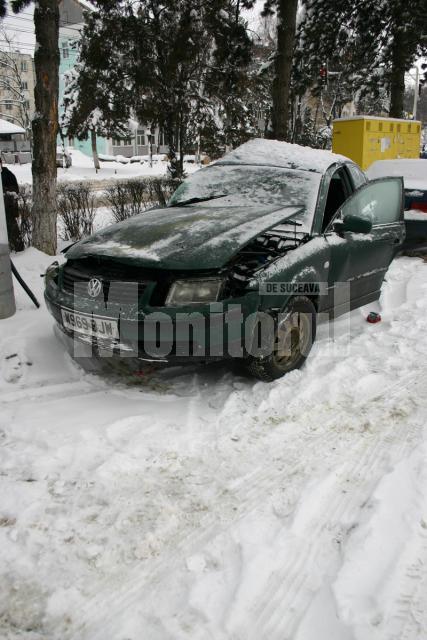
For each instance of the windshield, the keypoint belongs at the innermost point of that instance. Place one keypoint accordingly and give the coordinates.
(236, 186)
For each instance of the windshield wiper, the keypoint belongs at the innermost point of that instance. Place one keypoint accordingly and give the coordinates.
(290, 221)
(195, 200)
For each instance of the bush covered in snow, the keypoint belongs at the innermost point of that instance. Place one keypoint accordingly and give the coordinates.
(25, 220)
(77, 204)
(131, 197)
(76, 210)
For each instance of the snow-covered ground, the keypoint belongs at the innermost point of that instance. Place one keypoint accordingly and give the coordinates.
(82, 169)
(194, 503)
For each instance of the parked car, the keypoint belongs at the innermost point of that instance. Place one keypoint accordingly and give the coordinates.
(414, 173)
(248, 251)
(63, 158)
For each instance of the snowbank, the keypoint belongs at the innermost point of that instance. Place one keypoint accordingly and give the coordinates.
(194, 503)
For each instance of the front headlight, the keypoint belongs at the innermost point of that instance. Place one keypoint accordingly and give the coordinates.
(51, 275)
(194, 292)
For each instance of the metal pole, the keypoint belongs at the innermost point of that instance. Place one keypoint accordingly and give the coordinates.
(150, 144)
(417, 81)
(7, 296)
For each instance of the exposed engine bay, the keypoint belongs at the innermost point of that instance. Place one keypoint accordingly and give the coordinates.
(264, 250)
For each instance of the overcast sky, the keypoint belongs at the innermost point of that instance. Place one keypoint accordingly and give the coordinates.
(21, 27)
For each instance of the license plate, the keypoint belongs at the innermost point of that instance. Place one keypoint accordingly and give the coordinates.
(96, 327)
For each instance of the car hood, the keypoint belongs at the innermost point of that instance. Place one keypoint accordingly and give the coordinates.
(190, 237)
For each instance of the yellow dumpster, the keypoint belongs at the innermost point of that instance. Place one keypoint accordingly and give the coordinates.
(365, 139)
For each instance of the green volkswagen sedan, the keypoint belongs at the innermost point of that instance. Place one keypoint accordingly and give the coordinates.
(241, 263)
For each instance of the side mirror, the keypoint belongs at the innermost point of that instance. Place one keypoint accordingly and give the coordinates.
(353, 224)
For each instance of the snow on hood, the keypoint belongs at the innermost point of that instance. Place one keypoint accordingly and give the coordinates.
(281, 154)
(182, 238)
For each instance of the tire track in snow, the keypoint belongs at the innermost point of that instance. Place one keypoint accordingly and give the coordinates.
(409, 620)
(289, 591)
(240, 502)
(263, 482)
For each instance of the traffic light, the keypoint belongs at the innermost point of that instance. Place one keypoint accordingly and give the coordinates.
(323, 73)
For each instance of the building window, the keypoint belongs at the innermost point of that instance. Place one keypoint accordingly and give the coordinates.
(25, 85)
(122, 142)
(24, 66)
(140, 139)
(8, 105)
(70, 141)
(65, 51)
(27, 104)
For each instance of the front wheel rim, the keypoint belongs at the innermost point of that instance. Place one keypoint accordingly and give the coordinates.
(292, 340)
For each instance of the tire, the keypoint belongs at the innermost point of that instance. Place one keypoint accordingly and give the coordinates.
(294, 336)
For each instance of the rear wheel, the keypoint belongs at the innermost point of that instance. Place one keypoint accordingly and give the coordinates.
(293, 338)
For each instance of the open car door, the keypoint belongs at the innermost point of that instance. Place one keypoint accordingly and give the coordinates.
(360, 260)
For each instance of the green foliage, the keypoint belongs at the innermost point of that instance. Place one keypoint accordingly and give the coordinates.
(367, 46)
(181, 64)
(97, 97)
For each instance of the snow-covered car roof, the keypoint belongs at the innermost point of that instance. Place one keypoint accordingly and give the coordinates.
(273, 153)
(413, 171)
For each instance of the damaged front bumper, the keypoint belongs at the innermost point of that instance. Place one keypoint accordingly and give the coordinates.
(159, 334)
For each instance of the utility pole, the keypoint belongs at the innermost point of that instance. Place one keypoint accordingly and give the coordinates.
(7, 296)
(416, 79)
(416, 92)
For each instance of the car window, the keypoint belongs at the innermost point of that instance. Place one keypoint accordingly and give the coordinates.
(357, 176)
(379, 201)
(246, 186)
(337, 195)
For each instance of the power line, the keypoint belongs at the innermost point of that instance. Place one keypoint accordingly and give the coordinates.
(15, 30)
(64, 22)
(29, 48)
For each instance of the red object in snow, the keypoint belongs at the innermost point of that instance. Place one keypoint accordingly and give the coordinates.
(373, 317)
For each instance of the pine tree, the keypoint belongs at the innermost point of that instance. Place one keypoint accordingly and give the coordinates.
(96, 99)
(184, 63)
(45, 122)
(371, 44)
(405, 23)
(231, 81)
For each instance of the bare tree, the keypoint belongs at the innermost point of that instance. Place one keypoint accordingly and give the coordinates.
(13, 85)
(45, 122)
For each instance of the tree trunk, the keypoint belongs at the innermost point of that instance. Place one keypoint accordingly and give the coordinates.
(286, 28)
(94, 150)
(397, 76)
(45, 125)
(170, 131)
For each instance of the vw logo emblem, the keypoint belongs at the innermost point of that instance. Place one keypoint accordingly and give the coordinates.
(94, 287)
